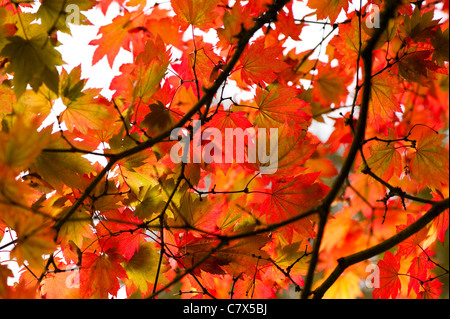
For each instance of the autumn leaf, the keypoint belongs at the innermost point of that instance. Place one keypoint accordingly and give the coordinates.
(5, 272)
(35, 238)
(22, 145)
(390, 285)
(346, 45)
(429, 161)
(142, 268)
(254, 68)
(277, 105)
(61, 285)
(383, 100)
(432, 290)
(128, 236)
(99, 275)
(76, 229)
(409, 245)
(117, 35)
(33, 61)
(149, 202)
(441, 46)
(419, 270)
(420, 26)
(289, 197)
(86, 112)
(385, 160)
(53, 13)
(328, 8)
(330, 86)
(62, 168)
(195, 12)
(86, 174)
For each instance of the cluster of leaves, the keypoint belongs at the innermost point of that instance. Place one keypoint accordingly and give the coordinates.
(378, 185)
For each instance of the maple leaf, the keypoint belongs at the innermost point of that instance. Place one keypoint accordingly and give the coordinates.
(5, 272)
(383, 101)
(330, 86)
(23, 145)
(419, 26)
(53, 13)
(432, 290)
(85, 112)
(195, 12)
(99, 275)
(128, 237)
(142, 268)
(149, 199)
(290, 196)
(34, 240)
(33, 61)
(75, 229)
(385, 160)
(409, 245)
(441, 47)
(233, 21)
(142, 78)
(117, 35)
(390, 285)
(61, 168)
(277, 105)
(346, 44)
(328, 8)
(419, 269)
(429, 162)
(253, 63)
(61, 285)
(417, 66)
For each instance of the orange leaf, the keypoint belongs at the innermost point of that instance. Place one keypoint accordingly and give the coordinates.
(410, 244)
(383, 101)
(99, 275)
(117, 35)
(328, 8)
(195, 12)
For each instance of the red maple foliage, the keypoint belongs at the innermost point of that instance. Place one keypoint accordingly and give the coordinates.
(272, 209)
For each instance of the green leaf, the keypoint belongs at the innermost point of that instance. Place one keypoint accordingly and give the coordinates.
(33, 61)
(440, 43)
(62, 168)
(57, 14)
(76, 228)
(149, 202)
(143, 266)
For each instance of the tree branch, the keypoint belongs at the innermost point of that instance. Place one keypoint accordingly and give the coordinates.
(345, 262)
(366, 56)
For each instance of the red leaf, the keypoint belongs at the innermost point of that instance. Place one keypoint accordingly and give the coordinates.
(419, 270)
(390, 285)
(432, 290)
(410, 244)
(253, 62)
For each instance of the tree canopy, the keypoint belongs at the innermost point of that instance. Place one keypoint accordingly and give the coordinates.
(203, 175)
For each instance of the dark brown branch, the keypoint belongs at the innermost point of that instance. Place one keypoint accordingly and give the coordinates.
(366, 56)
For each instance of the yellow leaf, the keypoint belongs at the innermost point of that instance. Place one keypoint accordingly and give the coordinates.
(35, 239)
